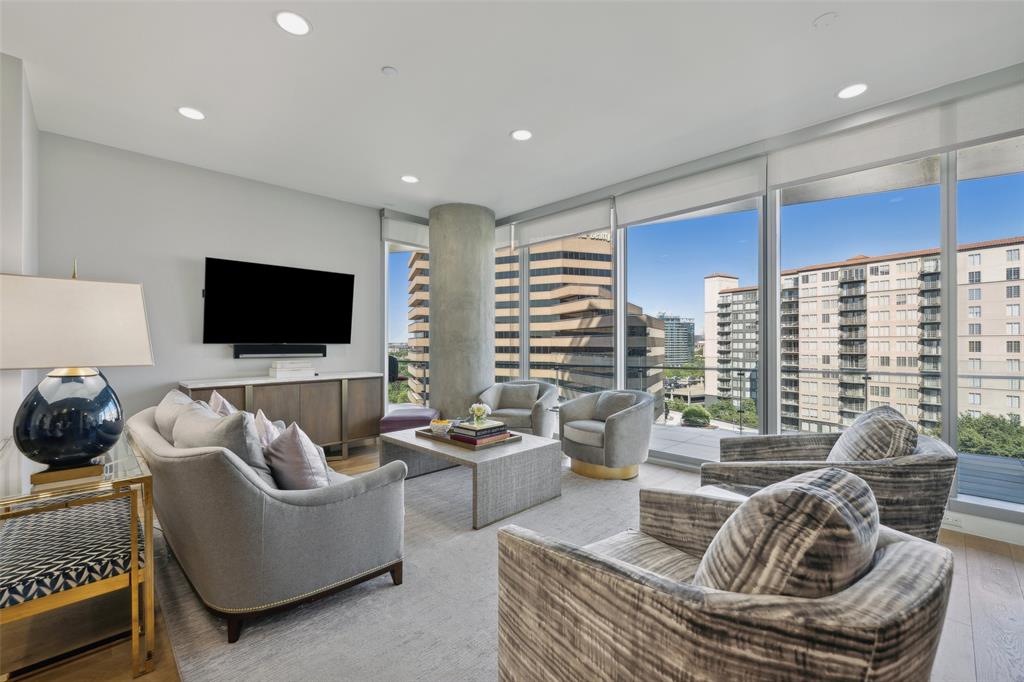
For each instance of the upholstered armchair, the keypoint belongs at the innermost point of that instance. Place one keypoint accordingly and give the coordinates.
(911, 490)
(523, 405)
(626, 608)
(607, 434)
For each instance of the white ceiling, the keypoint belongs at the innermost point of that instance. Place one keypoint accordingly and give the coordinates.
(610, 90)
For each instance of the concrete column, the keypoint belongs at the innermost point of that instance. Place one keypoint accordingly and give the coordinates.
(461, 306)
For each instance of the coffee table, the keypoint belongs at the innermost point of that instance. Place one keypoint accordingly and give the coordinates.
(506, 478)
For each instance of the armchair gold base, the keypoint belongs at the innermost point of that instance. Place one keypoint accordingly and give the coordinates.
(608, 473)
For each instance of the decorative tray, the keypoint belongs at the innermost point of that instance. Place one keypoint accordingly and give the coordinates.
(430, 435)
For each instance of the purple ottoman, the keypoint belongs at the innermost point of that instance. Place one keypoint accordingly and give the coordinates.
(407, 417)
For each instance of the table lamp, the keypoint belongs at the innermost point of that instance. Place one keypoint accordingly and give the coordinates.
(75, 326)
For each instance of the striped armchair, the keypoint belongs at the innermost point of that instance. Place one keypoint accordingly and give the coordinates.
(911, 490)
(625, 608)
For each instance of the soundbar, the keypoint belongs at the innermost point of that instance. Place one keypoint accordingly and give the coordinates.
(280, 350)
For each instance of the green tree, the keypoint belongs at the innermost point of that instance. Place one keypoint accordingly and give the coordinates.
(693, 369)
(990, 434)
(398, 392)
(695, 415)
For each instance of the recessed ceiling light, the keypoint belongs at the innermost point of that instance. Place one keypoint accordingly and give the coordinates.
(389, 70)
(851, 91)
(293, 23)
(411, 179)
(521, 135)
(192, 113)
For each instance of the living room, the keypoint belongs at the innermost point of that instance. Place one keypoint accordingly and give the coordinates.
(518, 340)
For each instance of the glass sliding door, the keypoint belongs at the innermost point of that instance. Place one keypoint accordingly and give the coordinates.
(691, 289)
(990, 244)
(860, 320)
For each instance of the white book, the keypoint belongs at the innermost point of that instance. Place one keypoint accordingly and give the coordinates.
(291, 364)
(295, 373)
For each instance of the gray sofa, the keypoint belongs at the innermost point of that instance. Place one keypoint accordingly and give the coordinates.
(535, 417)
(911, 490)
(607, 434)
(249, 548)
(627, 608)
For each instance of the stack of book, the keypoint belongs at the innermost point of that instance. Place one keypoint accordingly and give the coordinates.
(292, 369)
(488, 431)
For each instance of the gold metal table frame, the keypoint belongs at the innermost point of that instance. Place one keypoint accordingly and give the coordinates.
(122, 477)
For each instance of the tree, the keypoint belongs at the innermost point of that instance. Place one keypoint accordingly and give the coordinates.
(990, 434)
(398, 392)
(693, 369)
(724, 410)
(695, 415)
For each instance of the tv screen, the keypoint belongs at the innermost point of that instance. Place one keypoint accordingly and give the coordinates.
(257, 303)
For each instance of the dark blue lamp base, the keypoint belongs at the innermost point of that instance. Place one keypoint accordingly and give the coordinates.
(72, 416)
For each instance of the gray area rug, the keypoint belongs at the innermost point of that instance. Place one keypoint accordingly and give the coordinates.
(441, 624)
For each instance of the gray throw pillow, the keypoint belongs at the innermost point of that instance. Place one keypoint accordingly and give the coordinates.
(200, 427)
(167, 413)
(518, 396)
(296, 461)
(610, 402)
(879, 433)
(809, 536)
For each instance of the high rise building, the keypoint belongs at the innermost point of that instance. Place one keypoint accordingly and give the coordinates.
(679, 339)
(867, 331)
(572, 320)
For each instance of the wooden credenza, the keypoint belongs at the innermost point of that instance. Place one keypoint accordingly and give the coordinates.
(333, 408)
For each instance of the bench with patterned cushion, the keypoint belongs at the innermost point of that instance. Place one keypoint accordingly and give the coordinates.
(62, 549)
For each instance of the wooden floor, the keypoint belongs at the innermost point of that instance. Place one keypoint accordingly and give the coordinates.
(982, 640)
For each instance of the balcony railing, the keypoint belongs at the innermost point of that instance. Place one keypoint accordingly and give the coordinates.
(931, 334)
(853, 364)
(931, 400)
(928, 301)
(853, 290)
(927, 349)
(931, 317)
(847, 347)
(852, 334)
(853, 306)
(853, 320)
(847, 391)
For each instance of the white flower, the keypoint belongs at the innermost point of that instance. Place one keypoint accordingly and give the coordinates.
(479, 410)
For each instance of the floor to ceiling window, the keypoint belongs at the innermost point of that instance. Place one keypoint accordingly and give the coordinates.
(990, 248)
(691, 288)
(507, 288)
(860, 319)
(408, 324)
(572, 313)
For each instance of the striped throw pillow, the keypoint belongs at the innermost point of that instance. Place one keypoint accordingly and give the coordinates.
(808, 536)
(879, 433)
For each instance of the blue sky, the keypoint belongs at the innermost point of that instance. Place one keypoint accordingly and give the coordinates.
(667, 262)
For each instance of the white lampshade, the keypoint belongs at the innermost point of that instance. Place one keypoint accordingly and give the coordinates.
(47, 323)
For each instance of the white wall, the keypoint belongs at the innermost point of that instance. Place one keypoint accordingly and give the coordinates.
(134, 218)
(18, 183)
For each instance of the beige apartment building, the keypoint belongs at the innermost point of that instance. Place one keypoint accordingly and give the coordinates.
(866, 331)
(572, 320)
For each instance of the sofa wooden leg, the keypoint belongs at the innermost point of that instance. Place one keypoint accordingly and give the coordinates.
(396, 573)
(234, 629)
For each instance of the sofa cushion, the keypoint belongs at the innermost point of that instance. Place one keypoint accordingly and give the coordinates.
(296, 462)
(514, 417)
(610, 402)
(167, 413)
(585, 432)
(266, 429)
(879, 433)
(641, 550)
(200, 427)
(220, 405)
(809, 536)
(518, 396)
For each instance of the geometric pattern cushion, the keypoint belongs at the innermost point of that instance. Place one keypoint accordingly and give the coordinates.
(879, 433)
(809, 536)
(65, 548)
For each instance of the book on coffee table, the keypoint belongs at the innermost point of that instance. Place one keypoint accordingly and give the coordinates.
(481, 440)
(484, 429)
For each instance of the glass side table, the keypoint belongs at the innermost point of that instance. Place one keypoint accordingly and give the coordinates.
(124, 475)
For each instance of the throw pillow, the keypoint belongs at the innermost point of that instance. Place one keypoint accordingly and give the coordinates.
(167, 413)
(879, 433)
(610, 402)
(266, 429)
(297, 463)
(200, 427)
(220, 405)
(809, 536)
(518, 396)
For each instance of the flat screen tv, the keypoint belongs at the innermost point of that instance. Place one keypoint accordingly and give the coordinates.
(257, 303)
